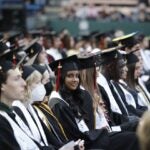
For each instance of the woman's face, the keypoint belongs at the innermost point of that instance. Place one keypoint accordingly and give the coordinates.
(122, 68)
(14, 88)
(46, 77)
(42, 57)
(72, 80)
(138, 69)
(124, 71)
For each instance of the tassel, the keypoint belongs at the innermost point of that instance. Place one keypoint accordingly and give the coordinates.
(14, 60)
(94, 76)
(58, 77)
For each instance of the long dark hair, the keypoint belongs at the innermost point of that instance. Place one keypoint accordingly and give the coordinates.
(73, 97)
(111, 70)
(130, 76)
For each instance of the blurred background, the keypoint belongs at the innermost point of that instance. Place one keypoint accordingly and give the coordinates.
(78, 16)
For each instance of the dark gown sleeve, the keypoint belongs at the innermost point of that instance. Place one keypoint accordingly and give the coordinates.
(116, 118)
(7, 138)
(93, 138)
(67, 120)
(53, 142)
(132, 111)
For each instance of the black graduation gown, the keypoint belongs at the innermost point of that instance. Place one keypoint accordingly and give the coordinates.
(7, 138)
(139, 110)
(67, 119)
(53, 142)
(54, 124)
(94, 139)
(116, 118)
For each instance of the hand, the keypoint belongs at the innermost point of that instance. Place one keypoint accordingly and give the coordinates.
(80, 144)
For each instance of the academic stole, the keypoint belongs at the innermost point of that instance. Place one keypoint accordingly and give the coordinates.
(23, 139)
(49, 111)
(32, 125)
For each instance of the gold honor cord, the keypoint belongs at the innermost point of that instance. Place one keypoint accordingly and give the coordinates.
(49, 111)
(43, 117)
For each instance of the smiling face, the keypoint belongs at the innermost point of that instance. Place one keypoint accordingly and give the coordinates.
(122, 68)
(14, 87)
(138, 70)
(72, 80)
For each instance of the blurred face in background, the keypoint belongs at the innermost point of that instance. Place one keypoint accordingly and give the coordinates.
(42, 57)
(138, 70)
(122, 69)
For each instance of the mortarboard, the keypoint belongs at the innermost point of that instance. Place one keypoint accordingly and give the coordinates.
(62, 66)
(6, 65)
(8, 53)
(127, 40)
(4, 49)
(12, 36)
(69, 63)
(26, 71)
(33, 48)
(110, 54)
(90, 62)
(39, 68)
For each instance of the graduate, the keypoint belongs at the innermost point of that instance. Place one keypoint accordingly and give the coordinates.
(12, 88)
(73, 107)
(42, 107)
(45, 129)
(103, 114)
(134, 81)
(109, 76)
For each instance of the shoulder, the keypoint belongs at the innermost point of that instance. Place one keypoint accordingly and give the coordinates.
(56, 99)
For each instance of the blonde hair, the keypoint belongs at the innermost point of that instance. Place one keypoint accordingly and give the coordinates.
(143, 131)
(33, 77)
(87, 81)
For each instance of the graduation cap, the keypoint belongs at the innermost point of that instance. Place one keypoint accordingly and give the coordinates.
(4, 49)
(90, 62)
(40, 68)
(110, 54)
(33, 48)
(131, 58)
(127, 40)
(6, 65)
(26, 71)
(62, 66)
(12, 37)
(8, 53)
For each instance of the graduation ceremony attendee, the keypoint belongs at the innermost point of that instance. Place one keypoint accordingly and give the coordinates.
(132, 44)
(12, 88)
(70, 104)
(50, 131)
(88, 81)
(129, 95)
(111, 69)
(134, 72)
(36, 50)
(41, 106)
